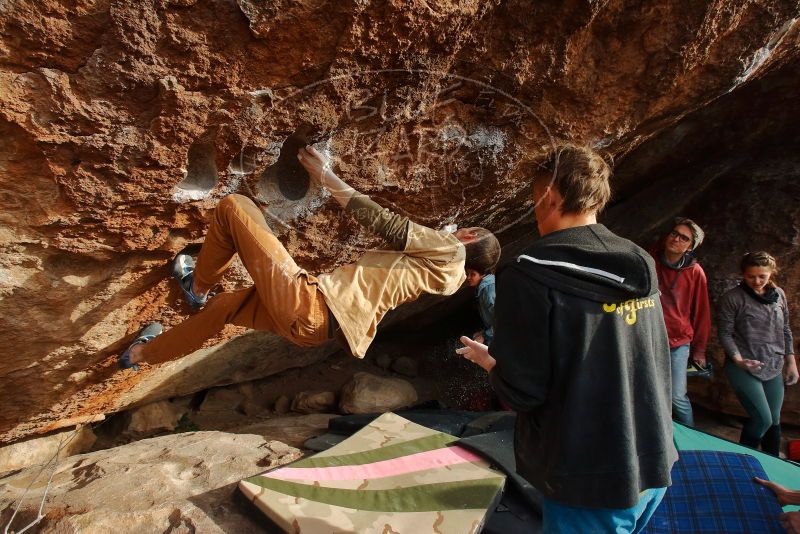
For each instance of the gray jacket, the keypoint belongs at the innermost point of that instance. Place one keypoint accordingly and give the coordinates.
(756, 330)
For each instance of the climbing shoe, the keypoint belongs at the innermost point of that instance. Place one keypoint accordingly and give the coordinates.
(183, 272)
(147, 334)
(695, 369)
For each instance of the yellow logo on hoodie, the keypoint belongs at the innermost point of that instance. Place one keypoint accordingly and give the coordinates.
(629, 308)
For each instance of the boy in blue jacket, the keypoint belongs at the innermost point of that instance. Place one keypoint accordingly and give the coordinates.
(485, 296)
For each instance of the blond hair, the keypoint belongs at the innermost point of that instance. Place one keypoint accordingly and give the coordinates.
(581, 176)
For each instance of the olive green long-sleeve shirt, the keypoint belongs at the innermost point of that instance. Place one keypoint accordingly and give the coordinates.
(382, 221)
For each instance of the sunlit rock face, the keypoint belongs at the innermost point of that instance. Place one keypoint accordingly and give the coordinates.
(124, 123)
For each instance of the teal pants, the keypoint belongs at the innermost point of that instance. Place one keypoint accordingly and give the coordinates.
(563, 519)
(762, 400)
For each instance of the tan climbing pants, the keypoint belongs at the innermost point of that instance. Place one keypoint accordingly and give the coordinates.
(284, 299)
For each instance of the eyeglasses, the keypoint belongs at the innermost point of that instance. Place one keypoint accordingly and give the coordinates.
(679, 236)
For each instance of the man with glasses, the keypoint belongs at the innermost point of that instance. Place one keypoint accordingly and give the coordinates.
(684, 298)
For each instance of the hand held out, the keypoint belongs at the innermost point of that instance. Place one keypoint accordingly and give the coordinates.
(477, 353)
(747, 364)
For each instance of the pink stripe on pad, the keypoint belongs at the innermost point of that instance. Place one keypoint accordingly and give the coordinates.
(386, 468)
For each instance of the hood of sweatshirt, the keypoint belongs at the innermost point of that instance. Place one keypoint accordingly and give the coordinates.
(591, 262)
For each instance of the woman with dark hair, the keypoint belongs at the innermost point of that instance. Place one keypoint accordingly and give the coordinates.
(754, 330)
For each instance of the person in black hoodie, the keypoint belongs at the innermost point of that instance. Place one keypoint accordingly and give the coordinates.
(581, 352)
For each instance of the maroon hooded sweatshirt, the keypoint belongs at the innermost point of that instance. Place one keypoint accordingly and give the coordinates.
(684, 298)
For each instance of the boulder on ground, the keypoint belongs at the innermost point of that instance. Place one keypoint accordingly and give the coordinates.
(221, 400)
(155, 417)
(254, 401)
(247, 390)
(175, 483)
(282, 404)
(383, 361)
(252, 407)
(367, 393)
(182, 403)
(405, 366)
(41, 450)
(314, 402)
(293, 430)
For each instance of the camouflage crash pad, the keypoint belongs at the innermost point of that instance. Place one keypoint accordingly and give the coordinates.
(391, 476)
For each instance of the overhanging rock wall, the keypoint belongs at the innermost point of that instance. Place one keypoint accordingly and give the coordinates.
(123, 123)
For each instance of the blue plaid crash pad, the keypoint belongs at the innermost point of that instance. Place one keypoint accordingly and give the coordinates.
(714, 492)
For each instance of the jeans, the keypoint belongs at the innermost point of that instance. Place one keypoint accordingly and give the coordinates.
(559, 518)
(681, 407)
(284, 299)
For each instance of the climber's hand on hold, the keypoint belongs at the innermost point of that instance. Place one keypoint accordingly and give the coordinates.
(319, 169)
(316, 164)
